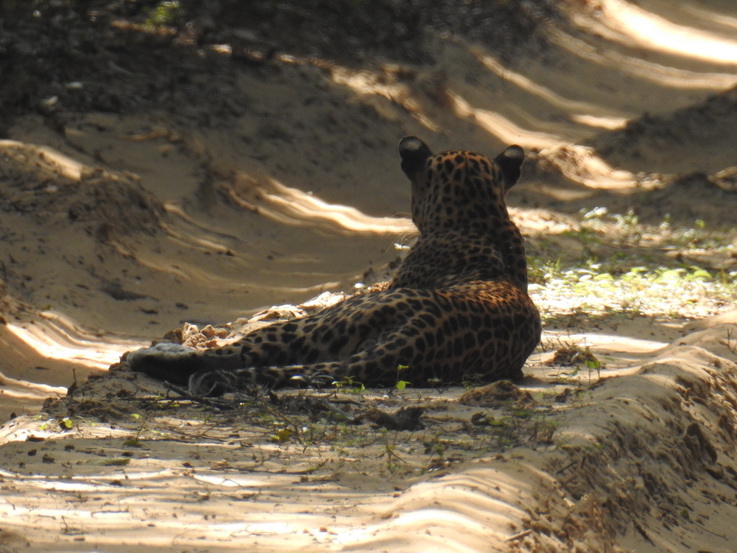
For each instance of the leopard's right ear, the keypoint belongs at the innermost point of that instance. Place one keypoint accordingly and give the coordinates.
(414, 152)
(510, 161)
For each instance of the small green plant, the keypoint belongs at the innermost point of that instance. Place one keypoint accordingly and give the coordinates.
(350, 385)
(165, 13)
(135, 441)
(401, 384)
(575, 357)
(282, 435)
(64, 424)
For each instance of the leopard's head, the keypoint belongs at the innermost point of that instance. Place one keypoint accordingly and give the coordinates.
(458, 189)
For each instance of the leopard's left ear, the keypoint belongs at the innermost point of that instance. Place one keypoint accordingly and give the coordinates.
(509, 162)
(414, 152)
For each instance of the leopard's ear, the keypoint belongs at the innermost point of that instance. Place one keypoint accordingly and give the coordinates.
(414, 152)
(509, 162)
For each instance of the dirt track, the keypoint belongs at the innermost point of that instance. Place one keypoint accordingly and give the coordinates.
(149, 178)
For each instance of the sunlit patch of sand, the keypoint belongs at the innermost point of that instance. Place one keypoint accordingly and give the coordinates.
(632, 24)
(43, 158)
(55, 336)
(501, 126)
(366, 83)
(627, 64)
(16, 395)
(42, 357)
(291, 206)
(39, 156)
(583, 165)
(584, 112)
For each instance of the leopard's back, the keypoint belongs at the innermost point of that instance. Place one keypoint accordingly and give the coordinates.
(457, 309)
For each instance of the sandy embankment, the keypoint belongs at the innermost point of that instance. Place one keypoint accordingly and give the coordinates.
(122, 226)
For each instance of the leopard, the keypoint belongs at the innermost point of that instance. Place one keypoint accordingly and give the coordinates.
(457, 310)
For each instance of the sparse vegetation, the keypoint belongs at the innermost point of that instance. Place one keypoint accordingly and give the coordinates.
(683, 291)
(165, 13)
(628, 268)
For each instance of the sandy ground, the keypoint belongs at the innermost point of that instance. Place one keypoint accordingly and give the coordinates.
(261, 184)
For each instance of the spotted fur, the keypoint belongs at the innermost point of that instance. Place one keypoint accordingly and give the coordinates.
(457, 309)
